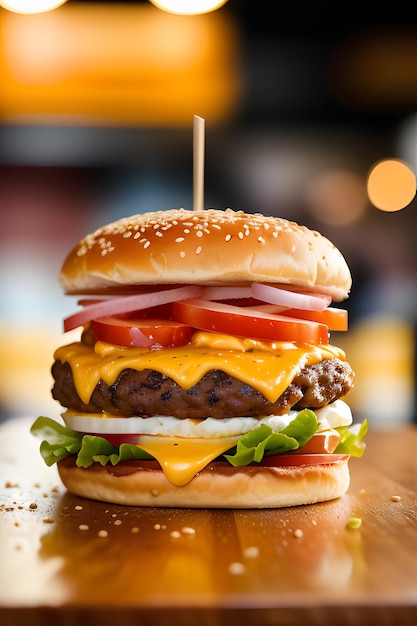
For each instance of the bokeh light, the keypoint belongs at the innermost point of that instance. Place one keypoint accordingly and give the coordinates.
(31, 6)
(188, 7)
(391, 185)
(337, 197)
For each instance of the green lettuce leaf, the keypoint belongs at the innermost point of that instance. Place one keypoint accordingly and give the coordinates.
(58, 442)
(264, 441)
(351, 439)
(95, 449)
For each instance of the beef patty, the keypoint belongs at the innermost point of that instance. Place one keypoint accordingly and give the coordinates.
(217, 395)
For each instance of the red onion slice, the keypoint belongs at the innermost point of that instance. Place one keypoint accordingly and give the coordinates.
(126, 304)
(290, 299)
(226, 293)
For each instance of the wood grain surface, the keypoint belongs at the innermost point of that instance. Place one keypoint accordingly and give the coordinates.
(64, 558)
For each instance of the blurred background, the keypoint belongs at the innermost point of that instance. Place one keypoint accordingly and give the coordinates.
(96, 109)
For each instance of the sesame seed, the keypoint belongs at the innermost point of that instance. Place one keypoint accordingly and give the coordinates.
(83, 527)
(155, 492)
(199, 233)
(298, 533)
(187, 530)
(147, 244)
(134, 529)
(182, 254)
(103, 533)
(395, 498)
(198, 250)
(179, 239)
(228, 237)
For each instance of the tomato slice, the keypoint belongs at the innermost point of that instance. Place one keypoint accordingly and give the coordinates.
(294, 460)
(335, 319)
(117, 440)
(323, 442)
(141, 333)
(245, 322)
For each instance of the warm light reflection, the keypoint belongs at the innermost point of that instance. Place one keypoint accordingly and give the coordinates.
(391, 185)
(337, 197)
(188, 7)
(132, 64)
(31, 6)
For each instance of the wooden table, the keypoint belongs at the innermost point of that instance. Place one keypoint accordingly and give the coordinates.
(63, 558)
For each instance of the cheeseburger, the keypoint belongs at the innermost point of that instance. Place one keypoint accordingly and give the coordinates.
(204, 375)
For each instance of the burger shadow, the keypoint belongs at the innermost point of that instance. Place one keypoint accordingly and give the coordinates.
(113, 555)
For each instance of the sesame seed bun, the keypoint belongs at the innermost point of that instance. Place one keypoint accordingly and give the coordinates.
(218, 485)
(210, 247)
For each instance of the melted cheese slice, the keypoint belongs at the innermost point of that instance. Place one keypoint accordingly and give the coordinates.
(181, 458)
(269, 367)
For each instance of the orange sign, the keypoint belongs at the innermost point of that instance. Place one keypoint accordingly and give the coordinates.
(117, 64)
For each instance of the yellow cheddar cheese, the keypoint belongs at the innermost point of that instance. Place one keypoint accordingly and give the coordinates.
(181, 458)
(269, 367)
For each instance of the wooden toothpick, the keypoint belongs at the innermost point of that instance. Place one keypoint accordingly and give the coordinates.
(198, 163)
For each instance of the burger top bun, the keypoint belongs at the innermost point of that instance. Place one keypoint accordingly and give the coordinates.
(211, 247)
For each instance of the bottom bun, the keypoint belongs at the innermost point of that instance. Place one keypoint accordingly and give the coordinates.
(219, 485)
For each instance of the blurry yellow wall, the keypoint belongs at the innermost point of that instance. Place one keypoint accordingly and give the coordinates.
(380, 349)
